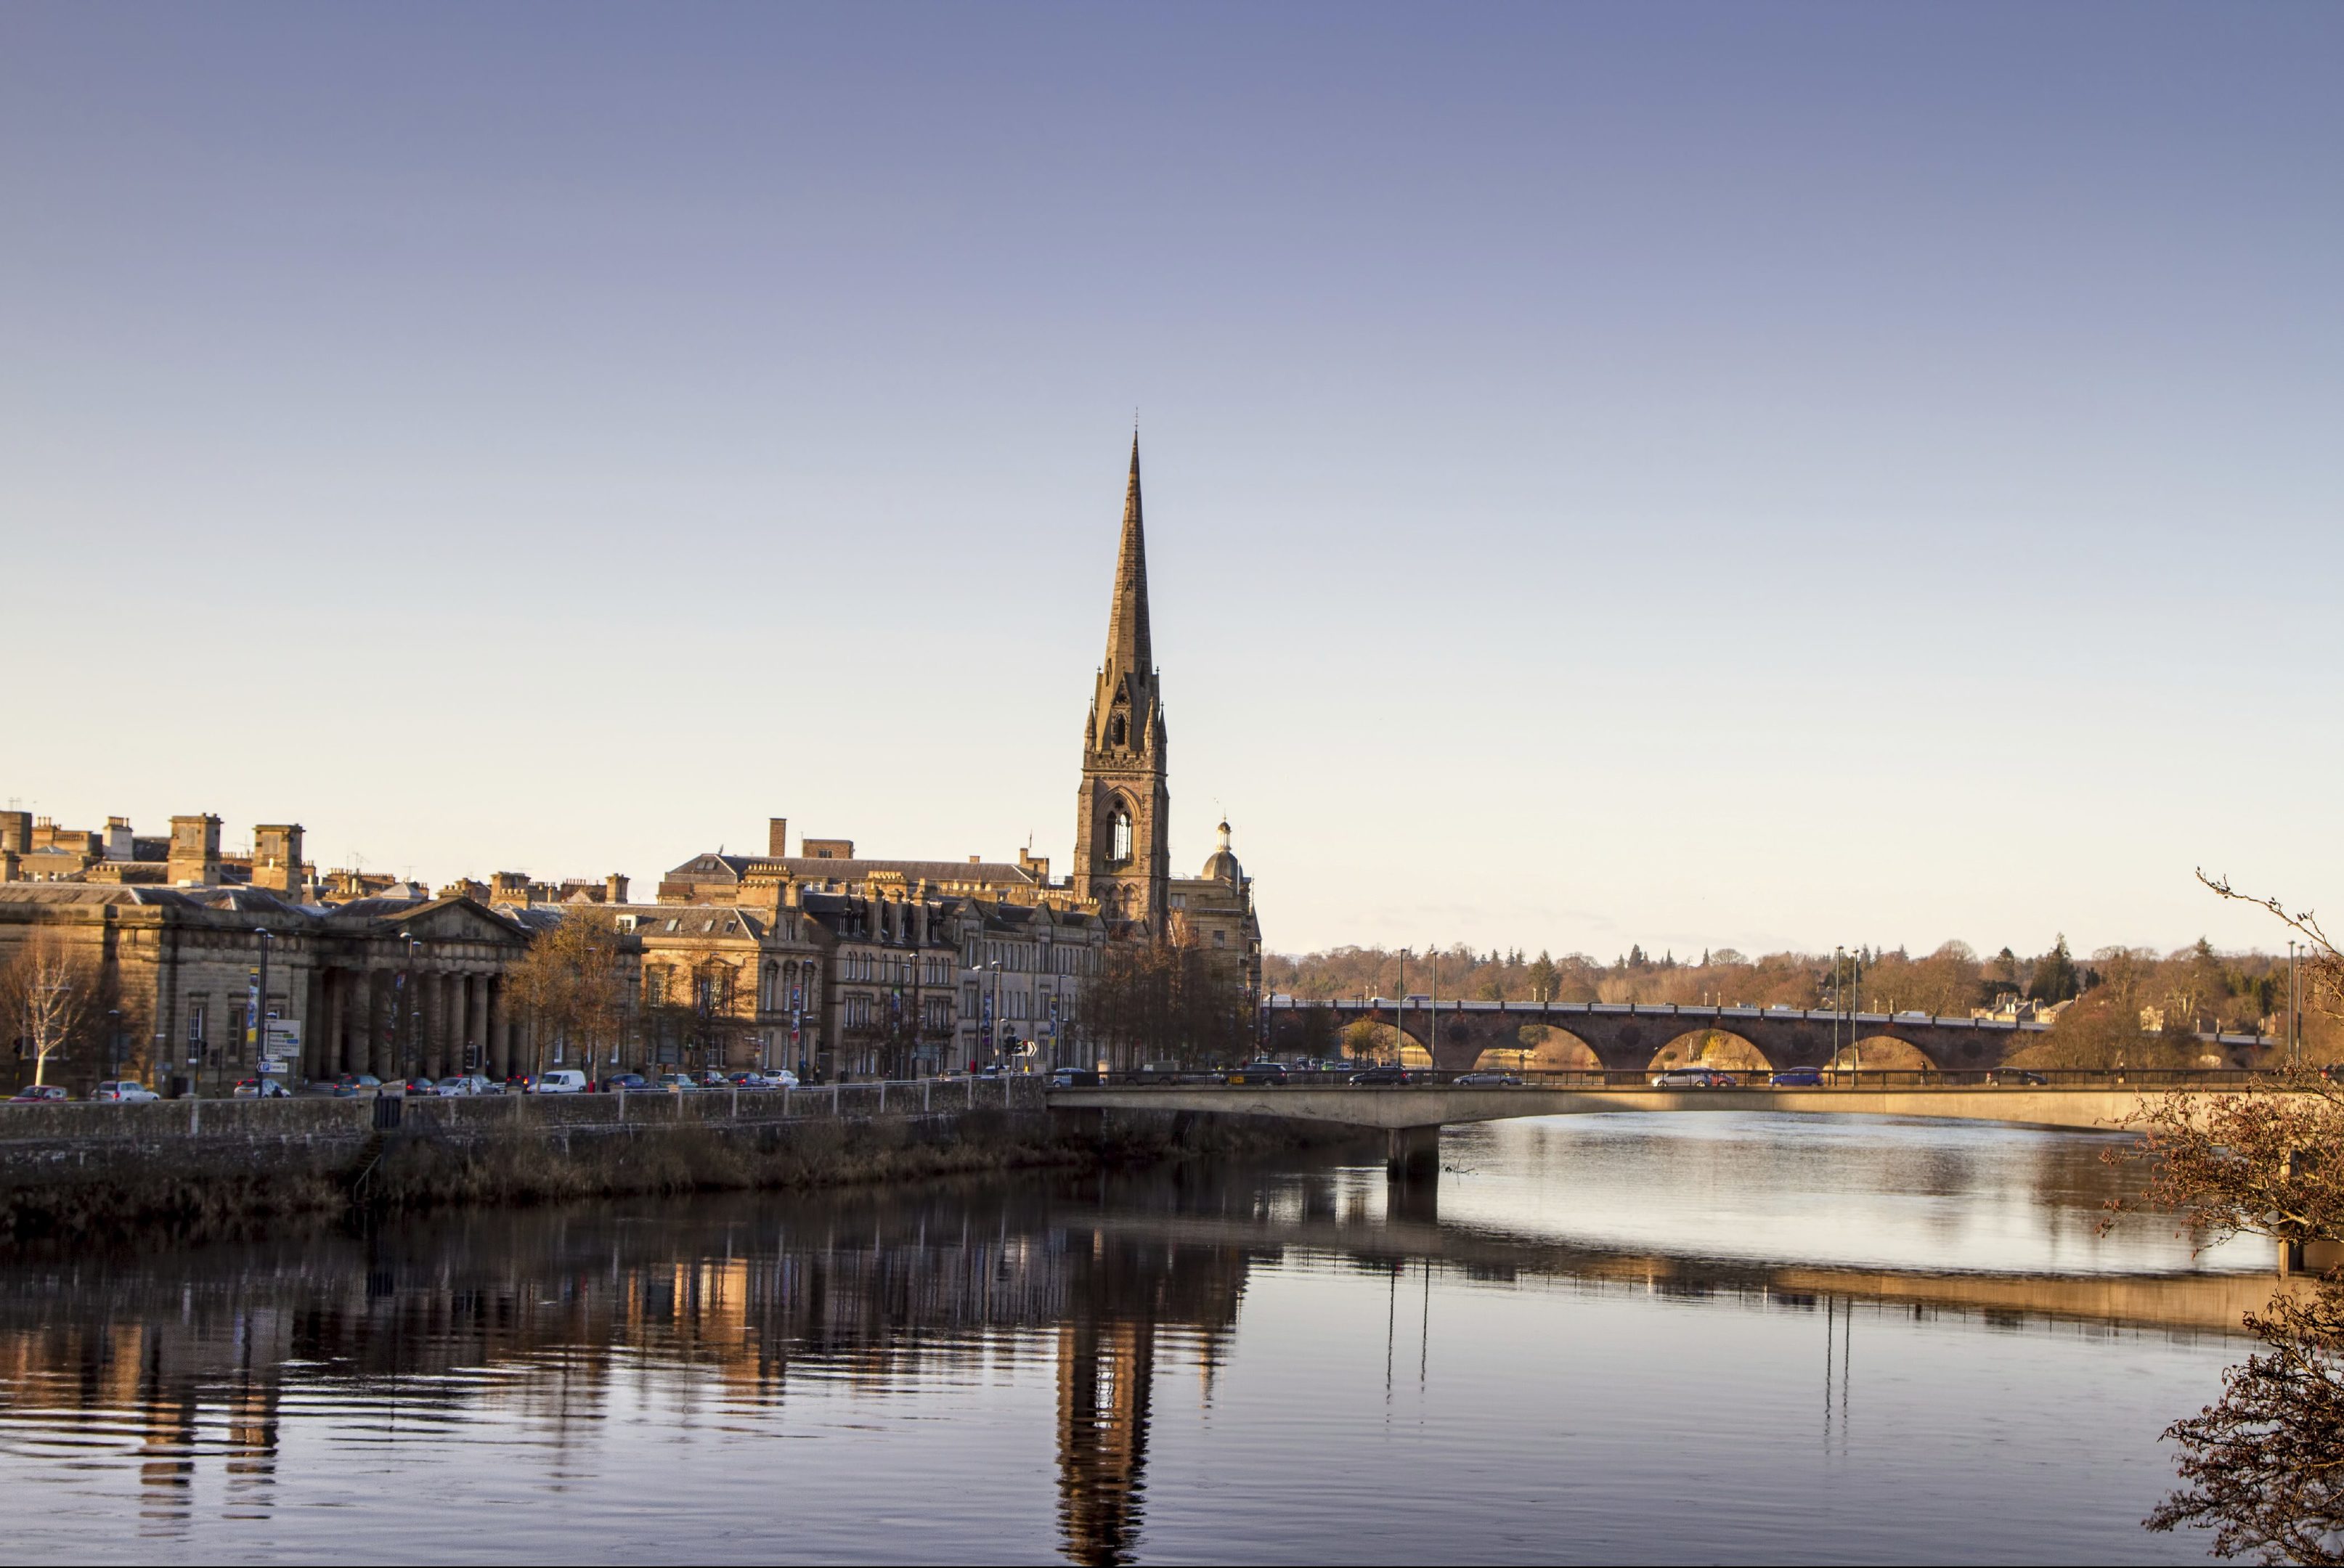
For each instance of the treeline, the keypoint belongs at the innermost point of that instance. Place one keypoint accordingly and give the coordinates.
(2192, 989)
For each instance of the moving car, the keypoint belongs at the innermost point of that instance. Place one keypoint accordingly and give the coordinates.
(122, 1091)
(259, 1088)
(771, 1078)
(678, 1083)
(561, 1081)
(1797, 1077)
(1384, 1075)
(2005, 1076)
(1075, 1078)
(350, 1085)
(1488, 1081)
(1693, 1077)
(1260, 1072)
(470, 1084)
(38, 1094)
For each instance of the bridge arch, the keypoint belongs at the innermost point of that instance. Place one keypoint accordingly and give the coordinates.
(1887, 1053)
(1719, 1048)
(1550, 1047)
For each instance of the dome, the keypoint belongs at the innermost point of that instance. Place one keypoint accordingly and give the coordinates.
(1222, 863)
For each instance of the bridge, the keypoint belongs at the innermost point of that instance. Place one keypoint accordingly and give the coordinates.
(1623, 1037)
(1412, 1116)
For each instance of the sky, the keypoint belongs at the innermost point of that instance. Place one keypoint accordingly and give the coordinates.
(1684, 474)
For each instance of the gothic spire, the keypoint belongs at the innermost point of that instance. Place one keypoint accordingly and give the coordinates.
(1129, 649)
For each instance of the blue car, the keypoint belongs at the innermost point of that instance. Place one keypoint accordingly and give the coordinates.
(1797, 1077)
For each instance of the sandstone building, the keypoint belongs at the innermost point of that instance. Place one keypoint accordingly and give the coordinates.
(834, 964)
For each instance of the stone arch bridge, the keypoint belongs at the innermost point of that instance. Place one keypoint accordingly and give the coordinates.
(1624, 1036)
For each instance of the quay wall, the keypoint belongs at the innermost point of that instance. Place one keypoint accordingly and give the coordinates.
(66, 1167)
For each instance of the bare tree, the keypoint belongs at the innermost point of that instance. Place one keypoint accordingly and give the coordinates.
(1167, 999)
(571, 984)
(2263, 1466)
(50, 993)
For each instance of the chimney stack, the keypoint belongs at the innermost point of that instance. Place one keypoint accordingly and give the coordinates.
(777, 837)
(614, 888)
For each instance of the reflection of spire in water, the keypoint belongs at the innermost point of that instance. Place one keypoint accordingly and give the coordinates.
(1104, 1372)
(252, 1441)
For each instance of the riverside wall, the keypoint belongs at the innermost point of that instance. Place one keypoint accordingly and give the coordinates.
(67, 1166)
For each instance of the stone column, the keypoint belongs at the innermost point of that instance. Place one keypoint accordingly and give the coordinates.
(381, 1049)
(432, 1024)
(329, 1046)
(458, 1023)
(478, 1031)
(314, 1040)
(499, 1030)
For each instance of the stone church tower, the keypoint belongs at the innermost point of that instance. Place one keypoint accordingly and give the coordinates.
(1124, 808)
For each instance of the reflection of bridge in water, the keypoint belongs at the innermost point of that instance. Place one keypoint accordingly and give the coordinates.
(1625, 1037)
(206, 1357)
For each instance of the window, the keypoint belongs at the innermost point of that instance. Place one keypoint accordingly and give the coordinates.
(1119, 836)
(1119, 731)
(195, 1011)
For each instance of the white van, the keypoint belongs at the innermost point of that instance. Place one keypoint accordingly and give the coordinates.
(561, 1080)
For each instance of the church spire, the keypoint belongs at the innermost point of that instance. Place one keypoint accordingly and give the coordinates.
(1128, 648)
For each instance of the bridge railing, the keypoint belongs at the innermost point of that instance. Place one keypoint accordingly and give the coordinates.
(2148, 1078)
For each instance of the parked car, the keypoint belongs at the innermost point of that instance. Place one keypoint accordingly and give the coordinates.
(561, 1080)
(678, 1083)
(122, 1091)
(1693, 1077)
(38, 1094)
(631, 1082)
(712, 1079)
(1489, 1080)
(1797, 1077)
(1075, 1078)
(2005, 1076)
(1387, 1075)
(1263, 1073)
(415, 1088)
(778, 1078)
(470, 1083)
(259, 1088)
(350, 1085)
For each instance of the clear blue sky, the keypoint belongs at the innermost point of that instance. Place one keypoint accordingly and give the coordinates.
(1677, 474)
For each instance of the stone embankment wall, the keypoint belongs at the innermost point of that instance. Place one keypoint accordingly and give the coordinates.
(67, 1167)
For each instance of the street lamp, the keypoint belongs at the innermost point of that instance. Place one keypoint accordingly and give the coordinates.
(407, 981)
(259, 1018)
(2294, 1035)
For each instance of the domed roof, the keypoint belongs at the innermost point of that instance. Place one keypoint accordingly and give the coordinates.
(1222, 863)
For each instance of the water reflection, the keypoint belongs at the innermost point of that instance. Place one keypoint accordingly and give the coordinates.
(244, 1388)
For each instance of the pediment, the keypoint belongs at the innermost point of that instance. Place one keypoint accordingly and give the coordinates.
(457, 920)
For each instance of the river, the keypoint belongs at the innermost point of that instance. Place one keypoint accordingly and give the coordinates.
(1733, 1338)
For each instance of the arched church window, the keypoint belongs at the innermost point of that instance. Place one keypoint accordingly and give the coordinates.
(1119, 836)
(1118, 729)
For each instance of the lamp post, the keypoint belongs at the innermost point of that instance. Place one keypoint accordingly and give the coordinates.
(2294, 1039)
(407, 982)
(260, 1020)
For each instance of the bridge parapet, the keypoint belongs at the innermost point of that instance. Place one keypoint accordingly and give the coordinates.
(1628, 1036)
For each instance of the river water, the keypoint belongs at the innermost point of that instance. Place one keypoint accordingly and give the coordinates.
(1717, 1338)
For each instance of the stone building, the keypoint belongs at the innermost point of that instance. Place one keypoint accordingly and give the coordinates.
(1216, 907)
(396, 986)
(1022, 970)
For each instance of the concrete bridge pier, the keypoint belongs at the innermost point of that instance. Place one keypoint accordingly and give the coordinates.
(1412, 1155)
